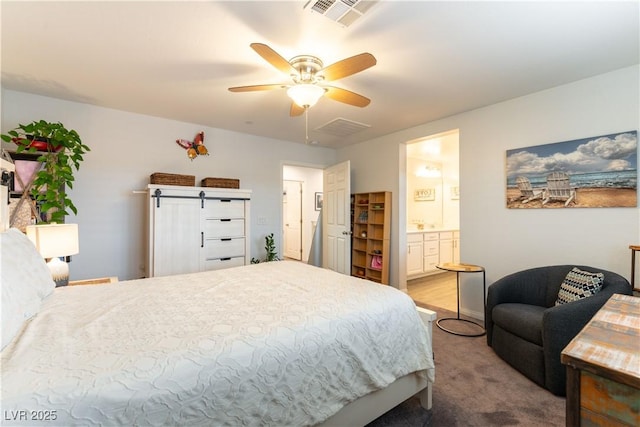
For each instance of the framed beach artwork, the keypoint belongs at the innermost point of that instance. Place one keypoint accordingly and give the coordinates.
(596, 172)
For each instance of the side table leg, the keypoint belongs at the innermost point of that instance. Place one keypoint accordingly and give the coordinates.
(484, 299)
(458, 291)
(633, 269)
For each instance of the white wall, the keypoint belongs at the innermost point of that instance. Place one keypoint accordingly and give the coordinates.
(505, 240)
(126, 148)
(450, 179)
(311, 179)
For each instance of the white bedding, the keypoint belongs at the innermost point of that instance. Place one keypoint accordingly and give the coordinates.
(279, 343)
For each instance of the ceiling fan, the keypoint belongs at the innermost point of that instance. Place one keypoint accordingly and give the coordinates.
(309, 75)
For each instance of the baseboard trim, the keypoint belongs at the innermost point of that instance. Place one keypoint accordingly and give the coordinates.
(470, 313)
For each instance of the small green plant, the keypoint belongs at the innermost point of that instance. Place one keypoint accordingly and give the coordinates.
(62, 152)
(270, 247)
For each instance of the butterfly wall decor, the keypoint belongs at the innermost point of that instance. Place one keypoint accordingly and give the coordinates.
(194, 148)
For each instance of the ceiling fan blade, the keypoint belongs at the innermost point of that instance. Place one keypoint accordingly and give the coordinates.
(348, 66)
(296, 110)
(255, 88)
(346, 96)
(273, 58)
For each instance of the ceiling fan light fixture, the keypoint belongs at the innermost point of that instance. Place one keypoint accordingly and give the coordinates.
(305, 95)
(308, 75)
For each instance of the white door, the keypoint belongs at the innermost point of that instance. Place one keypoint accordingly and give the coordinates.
(336, 218)
(292, 217)
(177, 239)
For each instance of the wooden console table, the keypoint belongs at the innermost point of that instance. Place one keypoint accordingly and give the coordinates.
(603, 367)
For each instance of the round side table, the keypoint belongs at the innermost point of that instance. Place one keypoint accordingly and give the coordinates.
(463, 268)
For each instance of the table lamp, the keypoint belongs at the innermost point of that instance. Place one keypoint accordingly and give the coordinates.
(54, 241)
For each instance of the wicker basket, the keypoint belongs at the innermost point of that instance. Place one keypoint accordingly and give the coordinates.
(173, 179)
(221, 182)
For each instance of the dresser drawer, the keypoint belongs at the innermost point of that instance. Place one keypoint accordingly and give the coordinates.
(214, 228)
(430, 263)
(431, 248)
(430, 236)
(223, 248)
(446, 235)
(218, 264)
(414, 237)
(225, 208)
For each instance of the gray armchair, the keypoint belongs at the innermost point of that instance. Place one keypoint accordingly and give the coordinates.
(529, 332)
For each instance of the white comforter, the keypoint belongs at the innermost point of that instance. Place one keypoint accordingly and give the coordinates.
(279, 343)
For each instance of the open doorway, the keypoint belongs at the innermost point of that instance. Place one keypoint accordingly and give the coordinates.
(433, 218)
(301, 187)
(292, 219)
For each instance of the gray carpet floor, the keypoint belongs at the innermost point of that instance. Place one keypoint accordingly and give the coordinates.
(474, 387)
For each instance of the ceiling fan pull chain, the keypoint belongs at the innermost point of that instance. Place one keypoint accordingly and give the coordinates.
(306, 125)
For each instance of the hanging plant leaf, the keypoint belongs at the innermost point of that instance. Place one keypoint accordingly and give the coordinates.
(63, 152)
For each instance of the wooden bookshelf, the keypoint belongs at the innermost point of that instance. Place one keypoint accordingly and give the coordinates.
(371, 228)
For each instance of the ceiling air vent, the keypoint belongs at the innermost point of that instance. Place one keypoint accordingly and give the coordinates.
(342, 127)
(344, 12)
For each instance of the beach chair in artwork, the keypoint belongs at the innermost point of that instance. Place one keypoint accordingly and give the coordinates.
(527, 193)
(559, 188)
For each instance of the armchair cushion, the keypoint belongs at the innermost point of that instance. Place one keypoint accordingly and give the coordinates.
(579, 284)
(522, 320)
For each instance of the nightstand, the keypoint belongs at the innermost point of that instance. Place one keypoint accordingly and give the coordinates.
(99, 281)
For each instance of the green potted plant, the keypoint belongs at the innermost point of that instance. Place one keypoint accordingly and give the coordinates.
(270, 248)
(61, 152)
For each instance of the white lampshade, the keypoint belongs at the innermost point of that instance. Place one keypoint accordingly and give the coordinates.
(305, 95)
(54, 240)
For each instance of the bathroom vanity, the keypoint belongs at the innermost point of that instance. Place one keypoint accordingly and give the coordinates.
(428, 248)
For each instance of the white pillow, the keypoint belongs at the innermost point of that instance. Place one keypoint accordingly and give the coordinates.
(26, 281)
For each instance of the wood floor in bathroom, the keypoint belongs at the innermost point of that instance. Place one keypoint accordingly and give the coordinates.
(438, 290)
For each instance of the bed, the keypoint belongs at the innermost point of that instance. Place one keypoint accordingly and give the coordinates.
(278, 343)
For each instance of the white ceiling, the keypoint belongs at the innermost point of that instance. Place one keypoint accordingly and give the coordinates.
(435, 59)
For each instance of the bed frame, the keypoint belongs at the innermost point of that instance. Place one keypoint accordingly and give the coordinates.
(367, 408)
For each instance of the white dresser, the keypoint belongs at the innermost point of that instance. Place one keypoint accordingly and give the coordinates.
(196, 229)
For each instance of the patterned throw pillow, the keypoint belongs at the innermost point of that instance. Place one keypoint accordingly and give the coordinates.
(579, 284)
